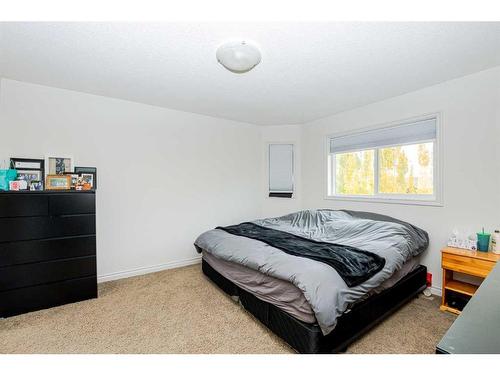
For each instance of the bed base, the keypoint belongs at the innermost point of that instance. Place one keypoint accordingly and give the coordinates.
(307, 337)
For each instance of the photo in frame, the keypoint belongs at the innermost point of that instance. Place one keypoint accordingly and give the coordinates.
(88, 170)
(30, 176)
(29, 170)
(58, 182)
(27, 164)
(58, 165)
(88, 178)
(74, 179)
(36, 186)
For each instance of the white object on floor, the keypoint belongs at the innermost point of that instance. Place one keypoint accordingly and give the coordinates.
(427, 292)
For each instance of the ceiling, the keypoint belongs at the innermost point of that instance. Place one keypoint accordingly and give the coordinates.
(308, 70)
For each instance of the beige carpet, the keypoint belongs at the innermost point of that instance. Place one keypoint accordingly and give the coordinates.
(180, 311)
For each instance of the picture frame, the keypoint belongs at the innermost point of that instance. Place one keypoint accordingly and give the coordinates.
(16, 185)
(58, 182)
(29, 170)
(29, 176)
(58, 165)
(36, 186)
(74, 179)
(88, 170)
(88, 178)
(27, 164)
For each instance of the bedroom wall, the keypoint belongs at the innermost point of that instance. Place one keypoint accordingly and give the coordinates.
(470, 108)
(164, 176)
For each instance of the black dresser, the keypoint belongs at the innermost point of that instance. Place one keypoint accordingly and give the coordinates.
(47, 250)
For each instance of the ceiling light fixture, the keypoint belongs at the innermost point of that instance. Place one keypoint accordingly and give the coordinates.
(238, 57)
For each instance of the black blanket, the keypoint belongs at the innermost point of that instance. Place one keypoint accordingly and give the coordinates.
(355, 266)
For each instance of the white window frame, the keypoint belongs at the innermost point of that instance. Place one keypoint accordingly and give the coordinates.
(435, 199)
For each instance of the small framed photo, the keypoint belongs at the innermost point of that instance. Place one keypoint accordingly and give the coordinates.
(58, 182)
(74, 179)
(58, 165)
(29, 176)
(88, 178)
(88, 170)
(17, 185)
(36, 186)
(28, 170)
(27, 164)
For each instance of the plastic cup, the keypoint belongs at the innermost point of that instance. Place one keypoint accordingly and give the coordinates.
(483, 241)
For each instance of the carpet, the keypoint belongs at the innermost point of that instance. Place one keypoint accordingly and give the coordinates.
(181, 311)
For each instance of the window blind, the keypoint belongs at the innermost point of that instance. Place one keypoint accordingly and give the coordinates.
(280, 168)
(405, 133)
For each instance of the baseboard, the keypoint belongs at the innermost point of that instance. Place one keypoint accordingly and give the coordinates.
(176, 264)
(149, 269)
(436, 291)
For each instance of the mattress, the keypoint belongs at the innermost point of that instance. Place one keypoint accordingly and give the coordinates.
(284, 294)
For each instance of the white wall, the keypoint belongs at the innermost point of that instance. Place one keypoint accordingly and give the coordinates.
(163, 176)
(272, 206)
(470, 108)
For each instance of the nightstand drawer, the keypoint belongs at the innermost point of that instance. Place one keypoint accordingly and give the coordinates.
(471, 266)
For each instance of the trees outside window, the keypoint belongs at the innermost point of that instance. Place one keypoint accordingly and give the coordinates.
(401, 170)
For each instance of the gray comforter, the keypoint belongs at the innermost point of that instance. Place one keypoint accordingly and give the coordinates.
(323, 288)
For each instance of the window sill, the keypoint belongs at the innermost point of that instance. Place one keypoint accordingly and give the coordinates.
(287, 195)
(411, 202)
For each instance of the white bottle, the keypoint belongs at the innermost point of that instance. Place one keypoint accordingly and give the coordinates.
(495, 242)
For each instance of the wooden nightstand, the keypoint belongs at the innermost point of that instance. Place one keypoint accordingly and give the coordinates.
(469, 262)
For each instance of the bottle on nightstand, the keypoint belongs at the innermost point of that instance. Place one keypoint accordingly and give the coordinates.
(495, 242)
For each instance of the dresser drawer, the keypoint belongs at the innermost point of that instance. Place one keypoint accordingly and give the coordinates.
(12, 253)
(34, 228)
(22, 204)
(23, 300)
(471, 266)
(72, 204)
(46, 272)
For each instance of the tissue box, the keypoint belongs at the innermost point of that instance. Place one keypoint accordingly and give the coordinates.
(462, 243)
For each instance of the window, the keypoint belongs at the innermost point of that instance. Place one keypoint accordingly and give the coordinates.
(397, 163)
(281, 170)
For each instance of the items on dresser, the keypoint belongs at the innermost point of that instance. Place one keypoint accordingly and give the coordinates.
(36, 186)
(62, 175)
(47, 250)
(456, 293)
(58, 182)
(59, 164)
(85, 173)
(17, 185)
(30, 170)
(6, 176)
(74, 179)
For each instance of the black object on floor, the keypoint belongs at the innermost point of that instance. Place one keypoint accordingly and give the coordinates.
(307, 337)
(47, 249)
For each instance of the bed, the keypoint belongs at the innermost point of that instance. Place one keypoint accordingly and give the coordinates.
(317, 278)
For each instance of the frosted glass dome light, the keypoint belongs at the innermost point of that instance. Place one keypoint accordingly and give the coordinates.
(238, 57)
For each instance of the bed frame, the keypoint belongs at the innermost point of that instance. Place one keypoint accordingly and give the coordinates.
(307, 337)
